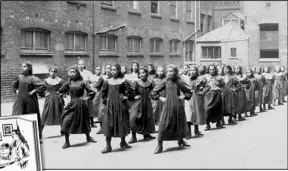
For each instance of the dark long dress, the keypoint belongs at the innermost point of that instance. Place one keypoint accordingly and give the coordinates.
(286, 85)
(230, 99)
(213, 99)
(173, 122)
(158, 104)
(53, 105)
(99, 85)
(141, 111)
(259, 93)
(25, 103)
(250, 94)
(75, 118)
(241, 95)
(116, 117)
(267, 97)
(195, 111)
(278, 86)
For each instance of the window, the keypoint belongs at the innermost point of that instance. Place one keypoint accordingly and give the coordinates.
(134, 44)
(156, 45)
(154, 7)
(173, 9)
(233, 52)
(174, 46)
(189, 51)
(225, 21)
(108, 43)
(211, 52)
(202, 23)
(109, 3)
(189, 10)
(35, 39)
(133, 5)
(209, 25)
(75, 41)
(269, 41)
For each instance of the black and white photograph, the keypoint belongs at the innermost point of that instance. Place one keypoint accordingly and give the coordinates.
(144, 84)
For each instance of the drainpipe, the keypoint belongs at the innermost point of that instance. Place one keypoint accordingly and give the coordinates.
(183, 42)
(93, 37)
(195, 28)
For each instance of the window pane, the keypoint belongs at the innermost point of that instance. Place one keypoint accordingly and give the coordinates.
(210, 53)
(130, 45)
(40, 40)
(158, 46)
(233, 52)
(154, 7)
(191, 56)
(70, 41)
(102, 43)
(191, 46)
(268, 27)
(152, 45)
(188, 5)
(173, 11)
(28, 39)
(23, 39)
(186, 56)
(137, 45)
(216, 52)
(204, 52)
(187, 47)
(269, 53)
(80, 42)
(77, 42)
(131, 4)
(176, 46)
(171, 45)
(226, 21)
(111, 44)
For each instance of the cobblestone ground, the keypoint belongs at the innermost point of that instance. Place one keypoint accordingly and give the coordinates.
(258, 143)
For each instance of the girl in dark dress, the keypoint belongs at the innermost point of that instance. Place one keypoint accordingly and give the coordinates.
(241, 94)
(141, 112)
(267, 97)
(158, 104)
(278, 86)
(26, 86)
(195, 111)
(250, 92)
(99, 85)
(259, 93)
(213, 98)
(75, 118)
(173, 122)
(151, 71)
(282, 70)
(229, 95)
(54, 103)
(115, 93)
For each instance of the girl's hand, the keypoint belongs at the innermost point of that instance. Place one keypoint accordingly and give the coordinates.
(16, 91)
(123, 97)
(181, 97)
(47, 94)
(31, 92)
(163, 99)
(137, 97)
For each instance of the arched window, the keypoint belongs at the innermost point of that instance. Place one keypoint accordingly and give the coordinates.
(156, 45)
(134, 44)
(75, 41)
(35, 39)
(174, 46)
(108, 43)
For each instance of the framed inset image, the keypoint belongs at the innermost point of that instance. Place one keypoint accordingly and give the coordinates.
(7, 129)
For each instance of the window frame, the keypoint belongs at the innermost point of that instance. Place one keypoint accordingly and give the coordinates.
(136, 3)
(154, 44)
(213, 52)
(34, 30)
(267, 30)
(106, 42)
(188, 50)
(110, 5)
(232, 54)
(202, 23)
(191, 16)
(133, 38)
(176, 10)
(74, 33)
(173, 41)
(158, 7)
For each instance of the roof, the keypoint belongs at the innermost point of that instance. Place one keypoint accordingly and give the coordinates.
(229, 31)
(238, 15)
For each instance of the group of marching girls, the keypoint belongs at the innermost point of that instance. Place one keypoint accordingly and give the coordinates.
(138, 100)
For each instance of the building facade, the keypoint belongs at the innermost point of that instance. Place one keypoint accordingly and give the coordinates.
(60, 32)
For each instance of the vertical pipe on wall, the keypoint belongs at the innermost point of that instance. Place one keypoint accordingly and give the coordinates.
(93, 37)
(195, 28)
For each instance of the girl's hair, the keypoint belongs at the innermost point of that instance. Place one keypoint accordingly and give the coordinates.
(175, 69)
(78, 75)
(204, 70)
(118, 67)
(153, 71)
(263, 70)
(30, 68)
(240, 70)
(132, 67)
(197, 72)
(53, 67)
(21, 137)
(82, 61)
(126, 70)
(104, 69)
(277, 66)
(215, 69)
(252, 72)
(259, 69)
(164, 73)
(229, 68)
(144, 69)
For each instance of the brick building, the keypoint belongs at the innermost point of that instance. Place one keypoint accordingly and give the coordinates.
(100, 32)
(265, 22)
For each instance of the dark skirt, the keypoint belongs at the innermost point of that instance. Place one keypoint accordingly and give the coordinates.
(267, 97)
(141, 117)
(286, 88)
(75, 119)
(213, 106)
(52, 111)
(259, 95)
(251, 101)
(157, 109)
(173, 123)
(229, 102)
(241, 101)
(195, 111)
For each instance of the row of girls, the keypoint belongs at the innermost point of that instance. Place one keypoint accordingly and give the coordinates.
(146, 97)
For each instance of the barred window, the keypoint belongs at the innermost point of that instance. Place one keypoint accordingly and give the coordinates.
(134, 44)
(35, 39)
(108, 43)
(75, 41)
(156, 45)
